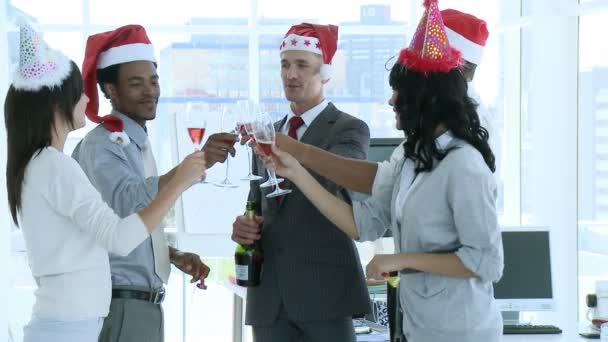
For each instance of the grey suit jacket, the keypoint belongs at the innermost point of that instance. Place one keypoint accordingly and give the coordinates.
(451, 207)
(310, 266)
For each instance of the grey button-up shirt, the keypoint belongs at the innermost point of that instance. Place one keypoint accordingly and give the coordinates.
(117, 171)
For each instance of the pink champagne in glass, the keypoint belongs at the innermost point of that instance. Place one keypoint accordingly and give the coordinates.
(266, 147)
(196, 135)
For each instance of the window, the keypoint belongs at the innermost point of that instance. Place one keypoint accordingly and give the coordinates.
(592, 156)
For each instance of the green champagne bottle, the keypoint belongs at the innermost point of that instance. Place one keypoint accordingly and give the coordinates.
(248, 259)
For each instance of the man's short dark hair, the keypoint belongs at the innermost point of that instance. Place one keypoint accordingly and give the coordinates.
(107, 75)
(110, 75)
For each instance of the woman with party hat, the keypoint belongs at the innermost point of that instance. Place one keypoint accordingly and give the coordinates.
(67, 227)
(439, 198)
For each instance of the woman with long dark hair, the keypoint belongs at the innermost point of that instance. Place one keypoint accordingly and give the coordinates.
(438, 199)
(67, 227)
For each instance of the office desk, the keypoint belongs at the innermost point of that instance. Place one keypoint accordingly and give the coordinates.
(570, 334)
(239, 295)
(379, 333)
(563, 337)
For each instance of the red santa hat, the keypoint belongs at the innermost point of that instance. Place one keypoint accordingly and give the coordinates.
(319, 39)
(125, 44)
(430, 50)
(466, 33)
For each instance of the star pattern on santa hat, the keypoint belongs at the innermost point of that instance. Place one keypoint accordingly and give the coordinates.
(318, 39)
(301, 43)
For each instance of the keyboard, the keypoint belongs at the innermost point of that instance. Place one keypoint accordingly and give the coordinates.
(511, 329)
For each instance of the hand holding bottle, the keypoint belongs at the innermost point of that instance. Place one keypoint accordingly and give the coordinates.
(246, 230)
(248, 258)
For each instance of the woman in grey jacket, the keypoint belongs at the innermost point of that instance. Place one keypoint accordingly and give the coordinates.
(438, 199)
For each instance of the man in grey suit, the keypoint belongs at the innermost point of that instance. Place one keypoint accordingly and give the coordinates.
(312, 282)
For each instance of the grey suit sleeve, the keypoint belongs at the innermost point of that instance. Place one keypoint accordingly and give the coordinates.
(108, 170)
(372, 216)
(352, 141)
(472, 197)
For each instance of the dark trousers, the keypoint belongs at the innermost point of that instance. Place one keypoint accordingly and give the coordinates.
(286, 330)
(395, 315)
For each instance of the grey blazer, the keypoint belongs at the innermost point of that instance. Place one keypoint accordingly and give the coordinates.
(450, 207)
(310, 266)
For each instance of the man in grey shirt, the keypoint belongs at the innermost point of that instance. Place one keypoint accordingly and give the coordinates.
(117, 158)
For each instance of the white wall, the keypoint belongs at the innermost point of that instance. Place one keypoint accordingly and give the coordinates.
(4, 215)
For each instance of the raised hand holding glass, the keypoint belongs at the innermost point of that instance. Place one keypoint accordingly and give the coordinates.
(264, 134)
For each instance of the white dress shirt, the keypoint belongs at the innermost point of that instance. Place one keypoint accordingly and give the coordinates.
(308, 117)
(68, 230)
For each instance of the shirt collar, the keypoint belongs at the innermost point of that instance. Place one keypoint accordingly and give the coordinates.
(310, 115)
(444, 140)
(135, 131)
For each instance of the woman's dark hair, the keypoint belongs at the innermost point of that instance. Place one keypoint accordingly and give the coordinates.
(426, 100)
(29, 118)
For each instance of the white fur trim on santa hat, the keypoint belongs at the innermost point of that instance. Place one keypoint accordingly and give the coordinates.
(327, 71)
(121, 138)
(126, 53)
(301, 43)
(471, 52)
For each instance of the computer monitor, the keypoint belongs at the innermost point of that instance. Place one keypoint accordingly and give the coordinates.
(380, 149)
(526, 283)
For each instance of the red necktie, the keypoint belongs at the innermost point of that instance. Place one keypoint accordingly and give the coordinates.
(294, 123)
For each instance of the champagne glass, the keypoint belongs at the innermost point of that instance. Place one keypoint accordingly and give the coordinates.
(228, 124)
(247, 110)
(250, 129)
(196, 124)
(265, 137)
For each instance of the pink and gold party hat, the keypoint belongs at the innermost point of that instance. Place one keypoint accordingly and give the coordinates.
(39, 65)
(430, 50)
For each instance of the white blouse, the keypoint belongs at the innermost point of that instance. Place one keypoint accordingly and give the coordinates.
(68, 231)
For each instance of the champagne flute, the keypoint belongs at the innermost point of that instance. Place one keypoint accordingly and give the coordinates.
(250, 129)
(265, 137)
(196, 124)
(228, 124)
(246, 110)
